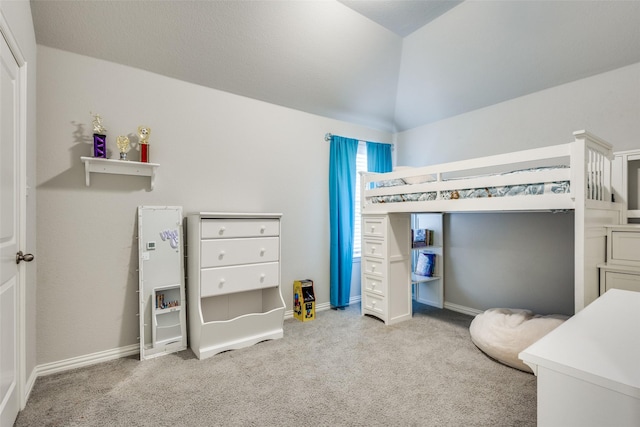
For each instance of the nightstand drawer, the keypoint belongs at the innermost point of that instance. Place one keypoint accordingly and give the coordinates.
(226, 280)
(230, 228)
(224, 252)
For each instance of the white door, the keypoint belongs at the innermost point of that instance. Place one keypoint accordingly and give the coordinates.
(10, 194)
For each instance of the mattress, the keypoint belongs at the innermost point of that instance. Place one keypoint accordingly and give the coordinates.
(542, 188)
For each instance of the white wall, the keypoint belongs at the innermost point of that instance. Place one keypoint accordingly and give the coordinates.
(17, 15)
(217, 152)
(486, 265)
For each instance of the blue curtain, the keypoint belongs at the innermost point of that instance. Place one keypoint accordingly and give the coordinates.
(342, 187)
(379, 157)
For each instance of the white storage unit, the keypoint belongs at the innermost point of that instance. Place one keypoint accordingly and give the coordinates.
(429, 290)
(386, 267)
(233, 281)
(587, 368)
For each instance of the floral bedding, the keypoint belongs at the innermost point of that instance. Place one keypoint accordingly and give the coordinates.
(474, 193)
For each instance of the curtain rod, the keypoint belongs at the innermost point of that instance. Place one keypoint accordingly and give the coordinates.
(327, 137)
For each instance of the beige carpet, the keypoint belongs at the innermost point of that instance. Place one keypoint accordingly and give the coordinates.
(341, 369)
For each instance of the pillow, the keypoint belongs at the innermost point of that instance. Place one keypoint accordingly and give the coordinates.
(415, 179)
(502, 333)
(389, 183)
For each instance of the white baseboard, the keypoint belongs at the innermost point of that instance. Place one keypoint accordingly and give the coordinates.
(86, 360)
(357, 299)
(319, 307)
(461, 309)
(31, 381)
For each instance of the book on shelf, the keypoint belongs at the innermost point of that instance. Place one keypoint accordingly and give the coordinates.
(421, 237)
(426, 264)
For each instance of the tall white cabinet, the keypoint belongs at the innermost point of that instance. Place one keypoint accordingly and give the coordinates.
(386, 267)
(622, 268)
(388, 261)
(233, 283)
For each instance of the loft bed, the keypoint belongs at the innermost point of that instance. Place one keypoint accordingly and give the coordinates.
(573, 176)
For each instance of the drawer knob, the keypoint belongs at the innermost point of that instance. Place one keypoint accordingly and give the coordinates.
(221, 231)
(222, 281)
(222, 254)
(373, 228)
(373, 285)
(262, 251)
(373, 249)
(262, 229)
(373, 303)
(262, 276)
(373, 268)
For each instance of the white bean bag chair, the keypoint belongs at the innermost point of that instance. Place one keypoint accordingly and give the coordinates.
(502, 333)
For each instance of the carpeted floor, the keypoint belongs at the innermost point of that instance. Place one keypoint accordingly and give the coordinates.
(341, 369)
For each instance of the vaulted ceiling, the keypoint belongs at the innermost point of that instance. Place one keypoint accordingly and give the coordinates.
(391, 65)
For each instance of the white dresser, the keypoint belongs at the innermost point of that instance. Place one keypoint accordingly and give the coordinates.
(622, 269)
(588, 368)
(233, 280)
(386, 267)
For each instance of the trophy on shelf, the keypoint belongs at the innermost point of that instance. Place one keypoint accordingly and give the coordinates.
(123, 145)
(143, 135)
(99, 137)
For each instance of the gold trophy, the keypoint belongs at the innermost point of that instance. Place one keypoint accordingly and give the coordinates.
(123, 145)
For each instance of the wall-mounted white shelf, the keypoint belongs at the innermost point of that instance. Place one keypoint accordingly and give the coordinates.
(120, 167)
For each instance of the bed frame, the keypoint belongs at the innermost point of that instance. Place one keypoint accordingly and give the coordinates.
(589, 161)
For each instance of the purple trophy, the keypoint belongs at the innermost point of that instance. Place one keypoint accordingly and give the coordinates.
(99, 145)
(99, 138)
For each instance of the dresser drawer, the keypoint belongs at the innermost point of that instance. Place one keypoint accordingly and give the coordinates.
(374, 248)
(374, 304)
(373, 266)
(624, 281)
(374, 227)
(226, 280)
(230, 228)
(625, 247)
(223, 252)
(374, 285)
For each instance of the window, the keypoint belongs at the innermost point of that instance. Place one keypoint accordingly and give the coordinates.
(361, 165)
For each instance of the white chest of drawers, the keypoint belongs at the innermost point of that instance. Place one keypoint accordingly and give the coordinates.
(233, 283)
(622, 269)
(385, 267)
(587, 368)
